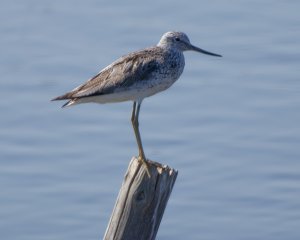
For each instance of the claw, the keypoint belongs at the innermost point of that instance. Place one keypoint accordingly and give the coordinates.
(144, 162)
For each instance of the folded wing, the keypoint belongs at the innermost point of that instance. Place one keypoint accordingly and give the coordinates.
(121, 74)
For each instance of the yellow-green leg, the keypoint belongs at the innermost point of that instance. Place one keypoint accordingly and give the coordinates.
(135, 125)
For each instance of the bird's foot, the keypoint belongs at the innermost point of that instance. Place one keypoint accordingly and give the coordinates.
(143, 161)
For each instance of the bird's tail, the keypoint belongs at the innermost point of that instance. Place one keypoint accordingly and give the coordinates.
(63, 97)
(66, 96)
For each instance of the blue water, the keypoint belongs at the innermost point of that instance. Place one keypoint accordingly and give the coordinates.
(231, 125)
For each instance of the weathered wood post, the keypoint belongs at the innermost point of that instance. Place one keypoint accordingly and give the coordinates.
(141, 202)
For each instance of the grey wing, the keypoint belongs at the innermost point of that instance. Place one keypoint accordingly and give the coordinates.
(121, 74)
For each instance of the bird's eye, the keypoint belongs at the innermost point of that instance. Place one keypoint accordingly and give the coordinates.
(177, 39)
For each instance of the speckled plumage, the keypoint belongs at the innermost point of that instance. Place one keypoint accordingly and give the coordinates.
(136, 75)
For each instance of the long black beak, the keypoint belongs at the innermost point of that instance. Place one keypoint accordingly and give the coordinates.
(193, 48)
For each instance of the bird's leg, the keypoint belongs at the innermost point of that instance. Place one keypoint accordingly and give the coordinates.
(137, 132)
(135, 125)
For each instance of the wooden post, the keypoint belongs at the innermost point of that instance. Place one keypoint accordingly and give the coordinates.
(141, 202)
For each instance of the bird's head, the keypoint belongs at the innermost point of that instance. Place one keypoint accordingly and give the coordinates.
(181, 42)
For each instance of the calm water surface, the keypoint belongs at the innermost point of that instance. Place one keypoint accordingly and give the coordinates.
(231, 126)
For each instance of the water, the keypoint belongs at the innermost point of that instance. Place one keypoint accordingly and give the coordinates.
(230, 126)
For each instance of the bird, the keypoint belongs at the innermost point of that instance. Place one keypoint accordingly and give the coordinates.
(136, 76)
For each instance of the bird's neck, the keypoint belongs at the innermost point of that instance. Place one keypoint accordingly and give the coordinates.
(168, 47)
